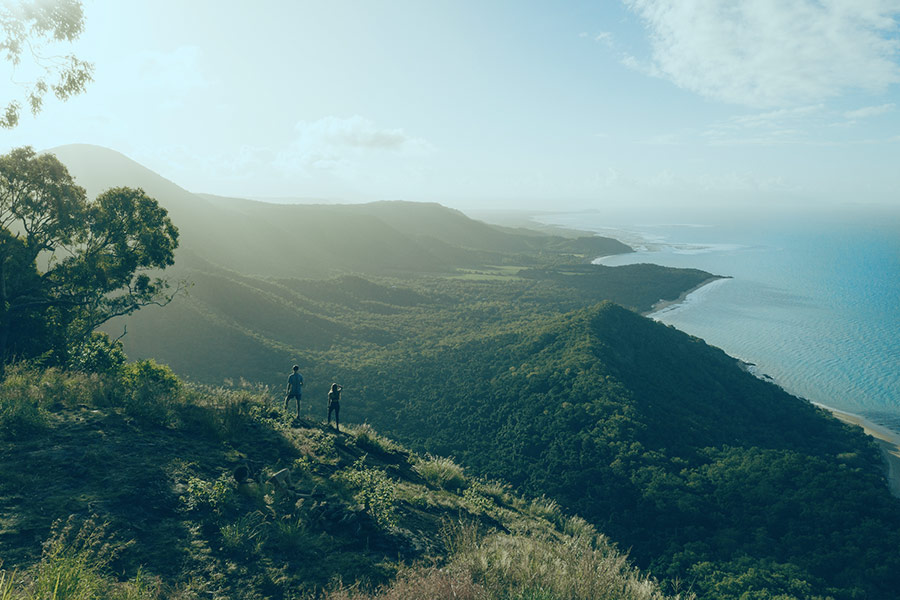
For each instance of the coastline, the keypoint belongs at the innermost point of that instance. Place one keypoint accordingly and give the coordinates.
(887, 440)
(664, 304)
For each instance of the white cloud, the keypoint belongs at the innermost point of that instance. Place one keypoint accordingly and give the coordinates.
(775, 127)
(354, 132)
(806, 125)
(869, 111)
(770, 53)
(604, 37)
(345, 146)
(776, 117)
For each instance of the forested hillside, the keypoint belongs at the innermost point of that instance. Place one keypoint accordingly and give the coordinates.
(707, 473)
(501, 348)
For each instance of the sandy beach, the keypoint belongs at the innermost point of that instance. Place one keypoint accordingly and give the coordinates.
(887, 440)
(664, 304)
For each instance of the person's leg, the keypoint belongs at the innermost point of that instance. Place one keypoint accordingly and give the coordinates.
(337, 417)
(298, 406)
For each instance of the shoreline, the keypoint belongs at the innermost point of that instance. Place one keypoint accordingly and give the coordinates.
(887, 440)
(664, 304)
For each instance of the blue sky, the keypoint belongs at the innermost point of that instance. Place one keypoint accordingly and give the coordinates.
(554, 105)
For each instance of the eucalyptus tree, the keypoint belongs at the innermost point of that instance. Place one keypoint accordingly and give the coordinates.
(68, 265)
(33, 29)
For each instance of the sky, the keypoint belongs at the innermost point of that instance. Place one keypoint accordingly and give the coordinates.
(502, 104)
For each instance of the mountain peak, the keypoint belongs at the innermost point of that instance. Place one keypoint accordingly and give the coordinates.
(97, 168)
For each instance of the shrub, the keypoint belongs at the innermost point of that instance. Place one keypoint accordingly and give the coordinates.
(512, 567)
(227, 413)
(374, 490)
(214, 495)
(318, 444)
(498, 491)
(234, 415)
(151, 391)
(441, 473)
(477, 501)
(287, 534)
(99, 354)
(152, 376)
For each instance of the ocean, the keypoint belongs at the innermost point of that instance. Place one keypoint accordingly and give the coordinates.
(813, 298)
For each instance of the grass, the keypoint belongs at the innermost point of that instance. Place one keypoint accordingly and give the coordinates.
(442, 473)
(545, 508)
(367, 438)
(567, 569)
(517, 567)
(156, 461)
(74, 566)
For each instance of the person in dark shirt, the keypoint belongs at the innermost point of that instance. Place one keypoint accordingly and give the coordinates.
(294, 389)
(334, 404)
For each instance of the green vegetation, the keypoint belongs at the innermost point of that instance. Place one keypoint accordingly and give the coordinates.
(441, 472)
(708, 474)
(38, 26)
(229, 498)
(485, 344)
(69, 265)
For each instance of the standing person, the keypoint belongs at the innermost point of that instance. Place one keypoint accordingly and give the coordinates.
(294, 389)
(334, 404)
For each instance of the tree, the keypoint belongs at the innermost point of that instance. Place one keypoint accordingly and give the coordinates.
(68, 265)
(34, 26)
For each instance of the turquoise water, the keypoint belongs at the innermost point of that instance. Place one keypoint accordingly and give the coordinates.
(813, 300)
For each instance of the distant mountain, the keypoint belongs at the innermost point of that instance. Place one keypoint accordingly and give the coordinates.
(245, 257)
(315, 241)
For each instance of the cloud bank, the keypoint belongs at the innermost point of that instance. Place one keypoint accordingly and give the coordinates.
(772, 53)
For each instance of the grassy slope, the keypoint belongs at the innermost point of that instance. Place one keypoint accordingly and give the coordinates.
(141, 487)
